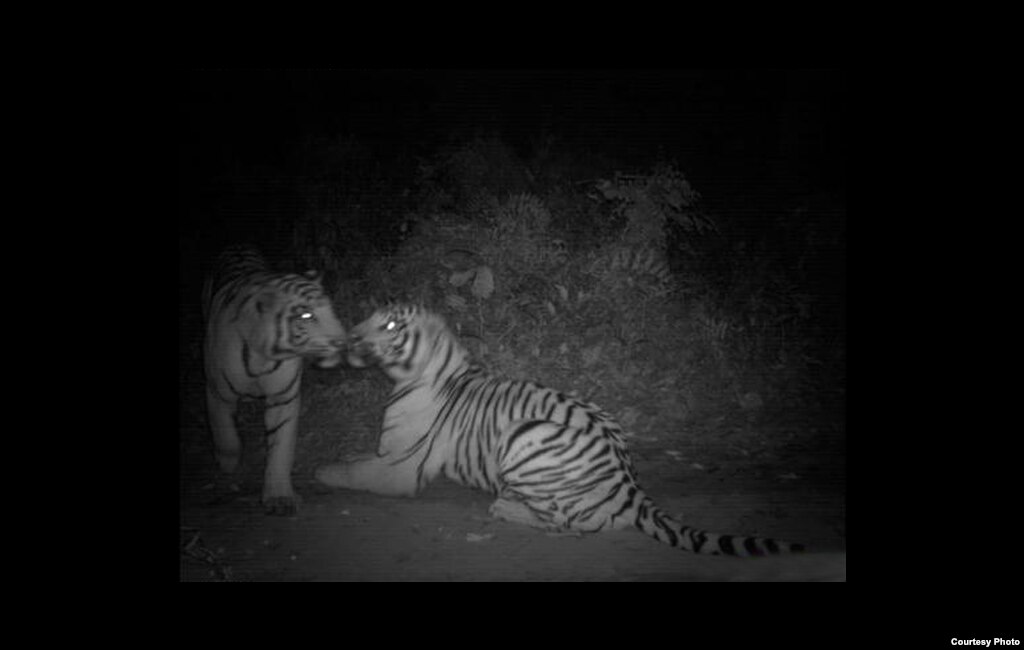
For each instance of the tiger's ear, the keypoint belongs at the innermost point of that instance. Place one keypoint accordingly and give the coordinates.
(398, 300)
(313, 274)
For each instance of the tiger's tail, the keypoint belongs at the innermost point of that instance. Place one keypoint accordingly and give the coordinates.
(654, 522)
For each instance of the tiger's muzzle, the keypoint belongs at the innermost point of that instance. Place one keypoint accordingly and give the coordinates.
(360, 353)
(329, 354)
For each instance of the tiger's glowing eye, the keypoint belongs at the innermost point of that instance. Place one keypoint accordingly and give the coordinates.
(391, 325)
(306, 315)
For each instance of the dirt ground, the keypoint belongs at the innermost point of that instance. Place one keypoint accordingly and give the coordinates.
(445, 534)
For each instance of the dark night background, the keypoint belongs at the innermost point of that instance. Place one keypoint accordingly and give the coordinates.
(751, 142)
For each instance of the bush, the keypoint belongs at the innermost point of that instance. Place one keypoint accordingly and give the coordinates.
(621, 289)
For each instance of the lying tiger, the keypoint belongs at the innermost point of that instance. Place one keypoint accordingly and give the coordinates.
(554, 462)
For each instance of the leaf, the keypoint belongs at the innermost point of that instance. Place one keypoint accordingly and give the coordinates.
(592, 355)
(563, 292)
(629, 417)
(483, 285)
(455, 302)
(674, 199)
(459, 278)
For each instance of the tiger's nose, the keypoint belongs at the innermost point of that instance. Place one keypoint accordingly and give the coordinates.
(359, 346)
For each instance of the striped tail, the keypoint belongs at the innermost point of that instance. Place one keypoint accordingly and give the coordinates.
(653, 521)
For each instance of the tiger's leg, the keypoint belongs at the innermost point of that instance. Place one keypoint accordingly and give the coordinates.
(512, 507)
(534, 461)
(227, 445)
(282, 419)
(372, 473)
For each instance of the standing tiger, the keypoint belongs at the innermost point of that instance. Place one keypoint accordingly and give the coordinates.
(259, 326)
(554, 462)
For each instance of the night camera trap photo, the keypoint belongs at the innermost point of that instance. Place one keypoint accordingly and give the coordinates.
(512, 326)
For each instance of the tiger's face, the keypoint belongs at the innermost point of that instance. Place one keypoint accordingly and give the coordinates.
(312, 329)
(392, 338)
(317, 332)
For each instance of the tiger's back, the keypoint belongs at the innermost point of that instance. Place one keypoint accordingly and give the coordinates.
(235, 267)
(259, 326)
(554, 462)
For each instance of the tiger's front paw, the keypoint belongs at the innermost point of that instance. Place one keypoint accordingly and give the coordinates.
(352, 473)
(336, 475)
(281, 505)
(371, 473)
